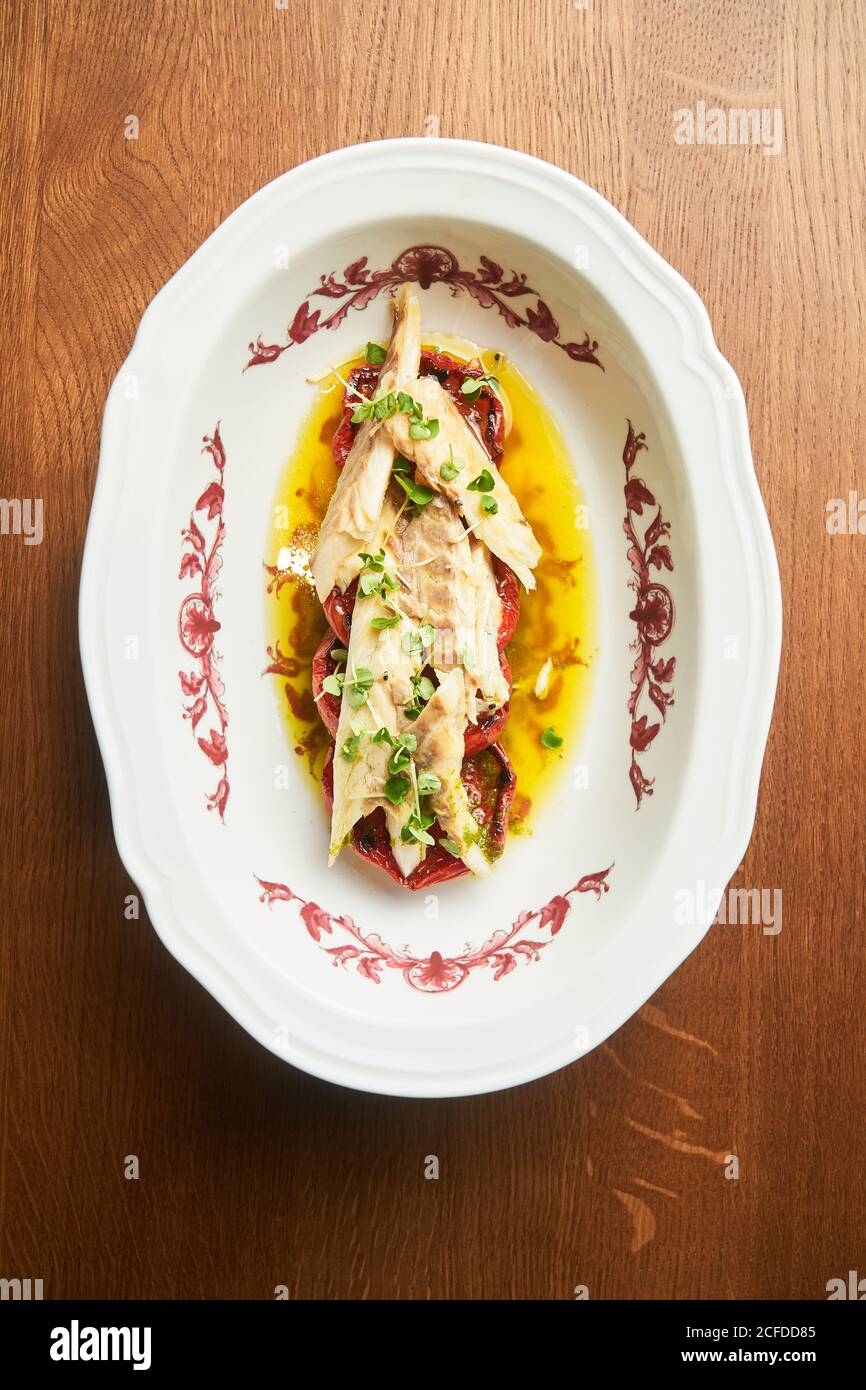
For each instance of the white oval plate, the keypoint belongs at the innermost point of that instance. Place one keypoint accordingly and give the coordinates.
(340, 972)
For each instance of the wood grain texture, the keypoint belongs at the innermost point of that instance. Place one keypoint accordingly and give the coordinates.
(611, 1173)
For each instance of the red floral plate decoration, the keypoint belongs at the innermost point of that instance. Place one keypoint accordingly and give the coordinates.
(197, 624)
(489, 286)
(653, 613)
(437, 974)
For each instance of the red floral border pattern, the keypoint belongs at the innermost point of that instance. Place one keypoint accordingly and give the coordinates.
(653, 613)
(436, 974)
(358, 286)
(197, 625)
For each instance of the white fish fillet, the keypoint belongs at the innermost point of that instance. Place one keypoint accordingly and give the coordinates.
(439, 731)
(353, 510)
(356, 502)
(451, 585)
(447, 580)
(358, 784)
(506, 533)
(404, 350)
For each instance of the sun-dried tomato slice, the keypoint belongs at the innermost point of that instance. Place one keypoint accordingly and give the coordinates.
(324, 665)
(338, 610)
(508, 589)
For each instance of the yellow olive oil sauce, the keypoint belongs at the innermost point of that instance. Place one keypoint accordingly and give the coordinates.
(557, 621)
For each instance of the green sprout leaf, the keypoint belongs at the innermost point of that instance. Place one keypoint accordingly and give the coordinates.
(350, 747)
(424, 429)
(399, 760)
(380, 407)
(385, 406)
(415, 641)
(428, 783)
(474, 385)
(374, 578)
(416, 492)
(423, 689)
(369, 584)
(489, 505)
(373, 562)
(357, 690)
(413, 830)
(485, 482)
(375, 354)
(449, 470)
(550, 738)
(451, 847)
(404, 746)
(396, 789)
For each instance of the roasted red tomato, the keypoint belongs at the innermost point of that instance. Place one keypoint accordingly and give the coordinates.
(338, 610)
(489, 728)
(324, 665)
(484, 414)
(362, 379)
(509, 596)
(490, 784)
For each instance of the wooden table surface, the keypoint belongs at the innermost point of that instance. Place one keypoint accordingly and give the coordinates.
(612, 1173)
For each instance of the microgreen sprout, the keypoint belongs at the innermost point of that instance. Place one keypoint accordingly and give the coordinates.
(418, 493)
(357, 690)
(450, 469)
(550, 738)
(349, 749)
(418, 825)
(423, 690)
(396, 789)
(474, 385)
(374, 578)
(423, 429)
(485, 482)
(415, 641)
